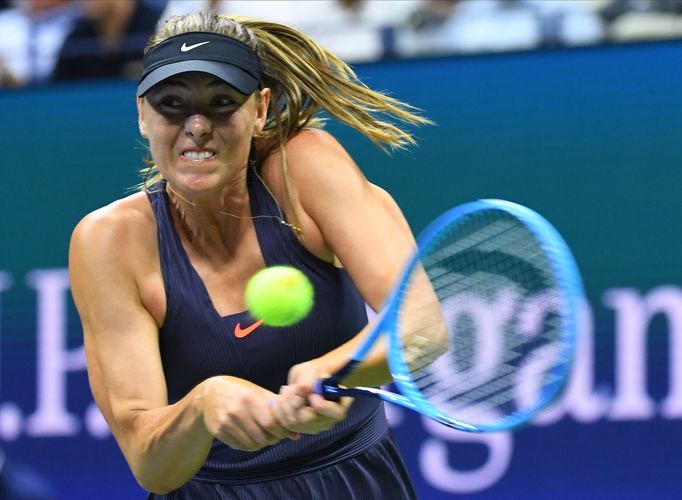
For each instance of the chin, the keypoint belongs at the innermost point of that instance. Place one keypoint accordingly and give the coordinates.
(195, 183)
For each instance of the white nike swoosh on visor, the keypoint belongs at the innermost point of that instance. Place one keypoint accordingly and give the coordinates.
(186, 48)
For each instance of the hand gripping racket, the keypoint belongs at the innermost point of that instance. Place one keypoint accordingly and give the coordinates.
(481, 325)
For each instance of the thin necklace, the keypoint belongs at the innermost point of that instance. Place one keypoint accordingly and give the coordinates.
(280, 218)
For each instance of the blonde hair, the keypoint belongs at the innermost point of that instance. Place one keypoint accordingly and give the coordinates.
(304, 78)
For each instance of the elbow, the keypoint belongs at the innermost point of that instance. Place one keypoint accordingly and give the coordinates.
(155, 479)
(156, 489)
(157, 484)
(160, 466)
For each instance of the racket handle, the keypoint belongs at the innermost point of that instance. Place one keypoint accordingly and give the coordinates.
(328, 389)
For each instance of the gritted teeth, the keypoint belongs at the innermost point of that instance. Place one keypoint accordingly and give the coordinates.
(198, 155)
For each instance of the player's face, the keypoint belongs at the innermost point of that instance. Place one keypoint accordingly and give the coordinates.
(200, 129)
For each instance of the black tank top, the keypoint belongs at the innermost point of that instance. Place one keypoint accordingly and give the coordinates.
(197, 343)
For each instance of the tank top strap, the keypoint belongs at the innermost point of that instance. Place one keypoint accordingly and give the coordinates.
(176, 268)
(170, 246)
(279, 244)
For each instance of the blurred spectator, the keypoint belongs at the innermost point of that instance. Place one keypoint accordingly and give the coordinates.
(470, 26)
(355, 30)
(33, 32)
(567, 23)
(107, 40)
(71, 39)
(634, 20)
(465, 26)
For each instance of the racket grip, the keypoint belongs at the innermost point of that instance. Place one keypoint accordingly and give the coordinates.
(328, 389)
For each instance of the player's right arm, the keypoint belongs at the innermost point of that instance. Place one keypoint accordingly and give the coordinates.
(112, 257)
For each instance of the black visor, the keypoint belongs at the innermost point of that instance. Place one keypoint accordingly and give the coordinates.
(221, 56)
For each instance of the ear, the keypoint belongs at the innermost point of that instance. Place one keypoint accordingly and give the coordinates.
(262, 111)
(140, 118)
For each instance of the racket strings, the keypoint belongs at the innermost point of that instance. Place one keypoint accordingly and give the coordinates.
(440, 264)
(488, 268)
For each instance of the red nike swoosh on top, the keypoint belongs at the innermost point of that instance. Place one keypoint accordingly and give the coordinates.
(241, 333)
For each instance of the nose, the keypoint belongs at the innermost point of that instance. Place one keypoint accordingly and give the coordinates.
(198, 126)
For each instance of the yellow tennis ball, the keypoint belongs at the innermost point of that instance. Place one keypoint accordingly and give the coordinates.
(279, 295)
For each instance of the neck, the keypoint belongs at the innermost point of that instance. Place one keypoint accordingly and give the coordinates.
(209, 226)
(196, 218)
(230, 200)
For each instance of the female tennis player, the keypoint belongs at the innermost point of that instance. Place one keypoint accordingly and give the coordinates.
(241, 177)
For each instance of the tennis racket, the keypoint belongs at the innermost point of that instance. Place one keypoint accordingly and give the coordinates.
(481, 325)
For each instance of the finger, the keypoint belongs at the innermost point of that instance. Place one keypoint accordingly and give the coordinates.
(249, 429)
(240, 445)
(290, 395)
(316, 400)
(265, 415)
(309, 422)
(326, 408)
(314, 423)
(270, 424)
(294, 395)
(235, 437)
(287, 406)
(282, 407)
(261, 436)
(278, 413)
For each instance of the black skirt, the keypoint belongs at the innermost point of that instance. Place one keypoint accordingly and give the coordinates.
(378, 472)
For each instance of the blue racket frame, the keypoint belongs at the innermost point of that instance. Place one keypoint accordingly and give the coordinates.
(566, 271)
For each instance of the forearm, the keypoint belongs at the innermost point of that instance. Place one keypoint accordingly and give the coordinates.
(168, 445)
(373, 371)
(423, 339)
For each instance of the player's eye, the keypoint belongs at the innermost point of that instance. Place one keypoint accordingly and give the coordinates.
(223, 102)
(167, 103)
(171, 102)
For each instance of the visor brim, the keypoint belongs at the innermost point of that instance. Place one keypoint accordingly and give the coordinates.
(232, 75)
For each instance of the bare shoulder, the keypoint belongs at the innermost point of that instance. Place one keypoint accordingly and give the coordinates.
(124, 216)
(322, 178)
(317, 163)
(114, 229)
(319, 139)
(316, 149)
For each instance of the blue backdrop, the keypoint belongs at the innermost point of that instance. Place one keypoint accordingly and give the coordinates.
(587, 137)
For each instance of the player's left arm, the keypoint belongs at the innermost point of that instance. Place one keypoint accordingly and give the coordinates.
(343, 216)
(346, 216)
